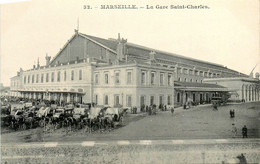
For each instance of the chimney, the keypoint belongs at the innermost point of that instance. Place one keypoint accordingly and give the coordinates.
(38, 63)
(257, 75)
(48, 59)
(152, 55)
(121, 48)
(34, 65)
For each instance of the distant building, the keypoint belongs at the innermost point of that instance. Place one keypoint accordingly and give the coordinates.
(244, 88)
(4, 91)
(114, 72)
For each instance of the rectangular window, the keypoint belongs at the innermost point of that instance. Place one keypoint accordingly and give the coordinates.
(42, 78)
(52, 77)
(72, 75)
(143, 79)
(178, 97)
(151, 100)
(116, 100)
(24, 80)
(65, 75)
(161, 79)
(106, 100)
(37, 78)
(169, 79)
(80, 74)
(129, 77)
(97, 78)
(129, 100)
(152, 78)
(210, 74)
(106, 78)
(201, 73)
(169, 100)
(185, 71)
(191, 72)
(58, 77)
(178, 70)
(32, 78)
(161, 100)
(28, 79)
(117, 80)
(196, 73)
(47, 77)
(96, 99)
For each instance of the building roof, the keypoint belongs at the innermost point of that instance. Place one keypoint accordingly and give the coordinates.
(107, 43)
(138, 52)
(142, 53)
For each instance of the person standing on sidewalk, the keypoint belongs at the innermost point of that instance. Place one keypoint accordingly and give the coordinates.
(172, 110)
(244, 131)
(234, 130)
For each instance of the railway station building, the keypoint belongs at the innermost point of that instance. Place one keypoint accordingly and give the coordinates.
(112, 72)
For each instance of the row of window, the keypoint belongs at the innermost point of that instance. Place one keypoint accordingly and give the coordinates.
(153, 78)
(197, 73)
(191, 80)
(129, 100)
(116, 77)
(129, 78)
(39, 78)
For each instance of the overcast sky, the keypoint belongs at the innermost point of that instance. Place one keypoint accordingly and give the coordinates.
(226, 34)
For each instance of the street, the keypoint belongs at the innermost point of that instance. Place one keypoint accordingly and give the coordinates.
(195, 135)
(200, 122)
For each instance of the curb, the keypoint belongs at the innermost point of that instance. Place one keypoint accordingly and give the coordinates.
(131, 142)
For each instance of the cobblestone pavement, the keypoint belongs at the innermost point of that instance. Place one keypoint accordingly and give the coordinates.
(144, 151)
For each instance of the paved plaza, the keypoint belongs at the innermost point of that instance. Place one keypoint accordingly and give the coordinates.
(195, 135)
(200, 122)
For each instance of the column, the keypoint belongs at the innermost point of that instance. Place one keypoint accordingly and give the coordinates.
(61, 97)
(68, 98)
(183, 98)
(76, 97)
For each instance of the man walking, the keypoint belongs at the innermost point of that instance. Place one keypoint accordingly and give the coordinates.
(234, 130)
(244, 131)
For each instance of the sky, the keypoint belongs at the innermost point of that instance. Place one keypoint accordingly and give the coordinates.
(227, 33)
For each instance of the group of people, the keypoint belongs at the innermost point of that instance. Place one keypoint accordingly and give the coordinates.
(234, 131)
(232, 113)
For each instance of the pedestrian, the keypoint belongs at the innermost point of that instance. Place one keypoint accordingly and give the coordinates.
(244, 131)
(172, 110)
(233, 113)
(234, 130)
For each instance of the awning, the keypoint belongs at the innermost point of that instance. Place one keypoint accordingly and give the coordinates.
(202, 87)
(53, 91)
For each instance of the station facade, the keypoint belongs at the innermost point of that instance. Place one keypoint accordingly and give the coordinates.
(112, 72)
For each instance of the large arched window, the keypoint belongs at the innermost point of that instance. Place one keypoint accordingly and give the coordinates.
(178, 97)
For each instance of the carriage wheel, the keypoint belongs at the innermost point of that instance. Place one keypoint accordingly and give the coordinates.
(41, 124)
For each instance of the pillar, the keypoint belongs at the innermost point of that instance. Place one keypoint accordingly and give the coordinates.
(68, 98)
(61, 97)
(183, 97)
